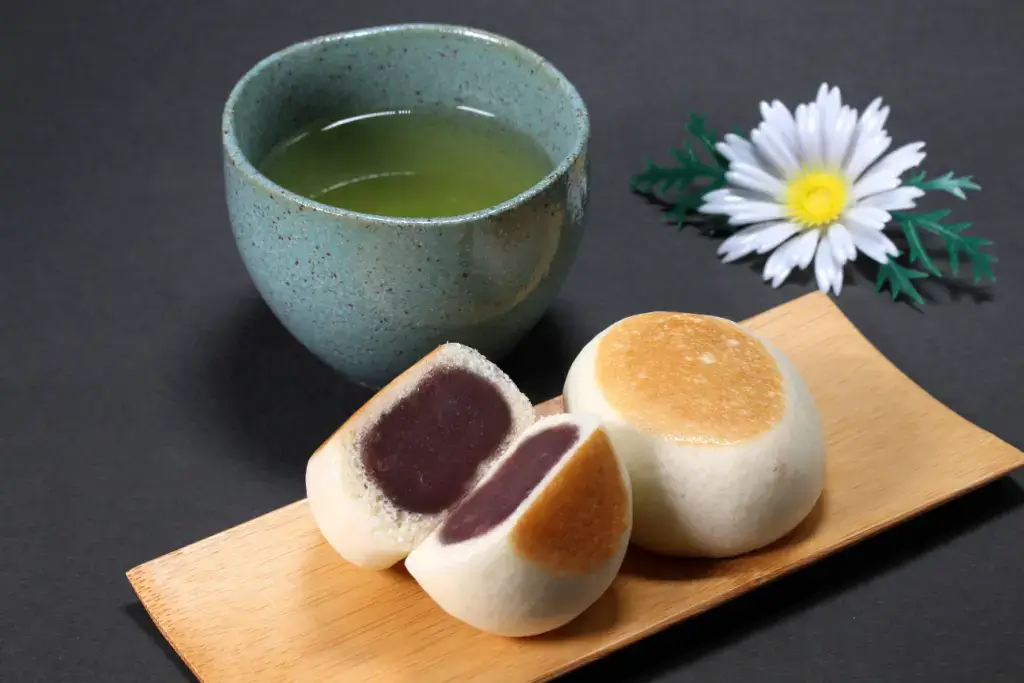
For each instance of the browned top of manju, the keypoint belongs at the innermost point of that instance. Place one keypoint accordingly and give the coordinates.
(691, 377)
(577, 522)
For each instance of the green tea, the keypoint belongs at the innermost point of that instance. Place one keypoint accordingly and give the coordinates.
(409, 164)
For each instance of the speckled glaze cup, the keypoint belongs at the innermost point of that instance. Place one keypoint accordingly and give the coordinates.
(370, 294)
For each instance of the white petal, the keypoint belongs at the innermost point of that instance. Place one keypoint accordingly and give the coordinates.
(874, 182)
(837, 274)
(825, 266)
(835, 98)
(843, 249)
(900, 199)
(717, 208)
(866, 217)
(736, 148)
(799, 251)
(756, 179)
(776, 235)
(761, 237)
(869, 139)
(729, 197)
(779, 118)
(863, 151)
(873, 107)
(883, 115)
(829, 104)
(904, 158)
(722, 193)
(874, 117)
(873, 243)
(744, 240)
(808, 130)
(838, 251)
(822, 94)
(752, 212)
(837, 139)
(740, 243)
(726, 201)
(807, 243)
(893, 165)
(781, 263)
(770, 144)
(837, 280)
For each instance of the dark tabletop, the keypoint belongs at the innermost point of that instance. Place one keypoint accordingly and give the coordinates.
(149, 399)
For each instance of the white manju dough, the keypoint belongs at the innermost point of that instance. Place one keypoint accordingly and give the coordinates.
(364, 522)
(540, 539)
(723, 442)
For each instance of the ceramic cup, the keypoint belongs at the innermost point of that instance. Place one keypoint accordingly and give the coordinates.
(369, 294)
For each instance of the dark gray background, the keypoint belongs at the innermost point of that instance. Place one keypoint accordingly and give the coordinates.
(148, 398)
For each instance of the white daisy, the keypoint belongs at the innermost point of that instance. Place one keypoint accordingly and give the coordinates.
(813, 178)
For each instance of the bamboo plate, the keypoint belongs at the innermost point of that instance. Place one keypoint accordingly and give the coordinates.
(270, 601)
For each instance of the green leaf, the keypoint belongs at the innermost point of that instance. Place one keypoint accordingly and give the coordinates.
(981, 262)
(956, 242)
(697, 129)
(945, 183)
(958, 228)
(900, 280)
(685, 156)
(933, 216)
(683, 185)
(659, 178)
(917, 249)
(678, 213)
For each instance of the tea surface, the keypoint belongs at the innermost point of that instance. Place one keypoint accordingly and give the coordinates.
(409, 164)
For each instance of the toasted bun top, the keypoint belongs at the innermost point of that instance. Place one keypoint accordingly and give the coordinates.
(576, 523)
(693, 378)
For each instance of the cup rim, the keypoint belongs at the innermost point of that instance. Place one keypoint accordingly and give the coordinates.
(241, 161)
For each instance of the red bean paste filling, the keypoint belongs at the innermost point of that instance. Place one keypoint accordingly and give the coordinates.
(494, 501)
(425, 451)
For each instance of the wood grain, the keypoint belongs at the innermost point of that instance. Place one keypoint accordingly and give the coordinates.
(270, 601)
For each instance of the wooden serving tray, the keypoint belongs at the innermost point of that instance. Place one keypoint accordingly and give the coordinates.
(270, 601)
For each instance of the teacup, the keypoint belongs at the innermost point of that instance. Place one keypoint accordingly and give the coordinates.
(370, 294)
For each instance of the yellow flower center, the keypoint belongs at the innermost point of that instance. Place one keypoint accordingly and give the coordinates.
(815, 198)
